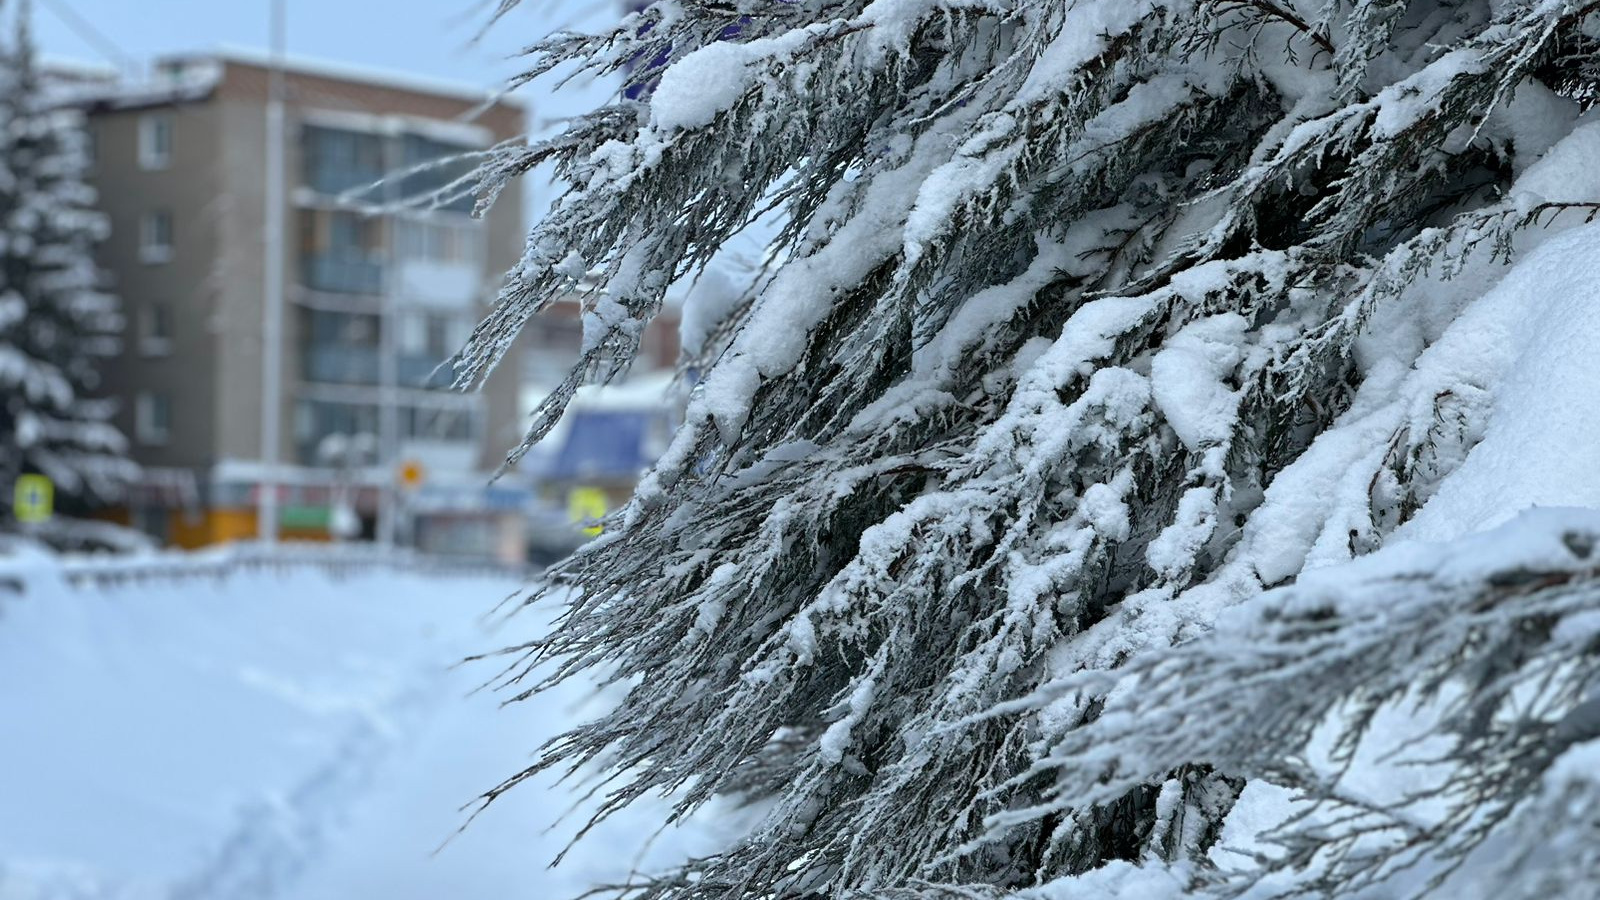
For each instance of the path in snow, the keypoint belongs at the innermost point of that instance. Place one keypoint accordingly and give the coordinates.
(388, 849)
(266, 736)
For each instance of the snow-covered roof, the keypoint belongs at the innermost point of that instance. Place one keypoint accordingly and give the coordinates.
(179, 86)
(185, 77)
(465, 133)
(72, 68)
(346, 71)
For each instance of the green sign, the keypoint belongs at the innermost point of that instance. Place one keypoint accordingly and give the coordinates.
(309, 517)
(34, 499)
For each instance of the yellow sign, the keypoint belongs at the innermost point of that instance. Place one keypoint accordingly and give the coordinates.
(587, 504)
(35, 499)
(412, 474)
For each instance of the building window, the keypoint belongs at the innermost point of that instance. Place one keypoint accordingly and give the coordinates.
(425, 341)
(315, 421)
(422, 423)
(152, 418)
(155, 142)
(339, 348)
(553, 341)
(341, 252)
(439, 241)
(436, 172)
(434, 335)
(155, 237)
(353, 236)
(155, 329)
(336, 161)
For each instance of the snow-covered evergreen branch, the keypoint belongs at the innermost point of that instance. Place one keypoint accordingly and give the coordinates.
(1494, 636)
(1091, 320)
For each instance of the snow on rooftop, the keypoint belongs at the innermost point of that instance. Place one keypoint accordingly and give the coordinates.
(348, 71)
(191, 83)
(186, 77)
(76, 69)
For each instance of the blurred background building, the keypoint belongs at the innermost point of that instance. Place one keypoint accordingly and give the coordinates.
(379, 295)
(377, 299)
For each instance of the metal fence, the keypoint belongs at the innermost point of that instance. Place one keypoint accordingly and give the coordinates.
(341, 561)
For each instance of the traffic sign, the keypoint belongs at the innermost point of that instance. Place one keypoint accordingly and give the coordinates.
(585, 506)
(412, 474)
(34, 499)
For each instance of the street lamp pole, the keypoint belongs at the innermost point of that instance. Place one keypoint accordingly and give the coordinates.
(272, 289)
(389, 351)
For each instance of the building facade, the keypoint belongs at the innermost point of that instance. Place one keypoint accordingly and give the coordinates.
(379, 294)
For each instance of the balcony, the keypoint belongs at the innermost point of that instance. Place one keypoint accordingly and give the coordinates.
(441, 285)
(340, 364)
(336, 160)
(342, 274)
(345, 364)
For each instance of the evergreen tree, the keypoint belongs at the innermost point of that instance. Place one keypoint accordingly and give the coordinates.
(56, 321)
(1094, 323)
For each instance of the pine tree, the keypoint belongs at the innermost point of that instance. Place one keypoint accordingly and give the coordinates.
(56, 322)
(1093, 324)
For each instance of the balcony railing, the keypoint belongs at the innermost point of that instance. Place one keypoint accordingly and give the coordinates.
(344, 275)
(418, 371)
(341, 364)
(441, 285)
(335, 180)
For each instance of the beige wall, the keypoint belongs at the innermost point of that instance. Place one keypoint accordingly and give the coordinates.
(186, 283)
(215, 188)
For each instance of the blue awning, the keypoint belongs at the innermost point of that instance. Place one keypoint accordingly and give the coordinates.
(603, 444)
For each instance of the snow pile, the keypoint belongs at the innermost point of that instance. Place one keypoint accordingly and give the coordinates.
(695, 89)
(1187, 379)
(710, 301)
(258, 736)
(1533, 448)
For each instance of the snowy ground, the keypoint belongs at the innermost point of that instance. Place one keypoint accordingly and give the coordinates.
(282, 735)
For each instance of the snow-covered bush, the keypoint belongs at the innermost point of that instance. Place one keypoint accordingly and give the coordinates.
(56, 323)
(1095, 323)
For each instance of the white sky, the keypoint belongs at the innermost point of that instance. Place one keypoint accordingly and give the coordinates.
(429, 38)
(432, 38)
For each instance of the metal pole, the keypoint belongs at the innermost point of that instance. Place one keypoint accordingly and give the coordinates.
(272, 290)
(389, 353)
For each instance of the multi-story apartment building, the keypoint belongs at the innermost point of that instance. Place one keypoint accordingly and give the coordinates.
(378, 295)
